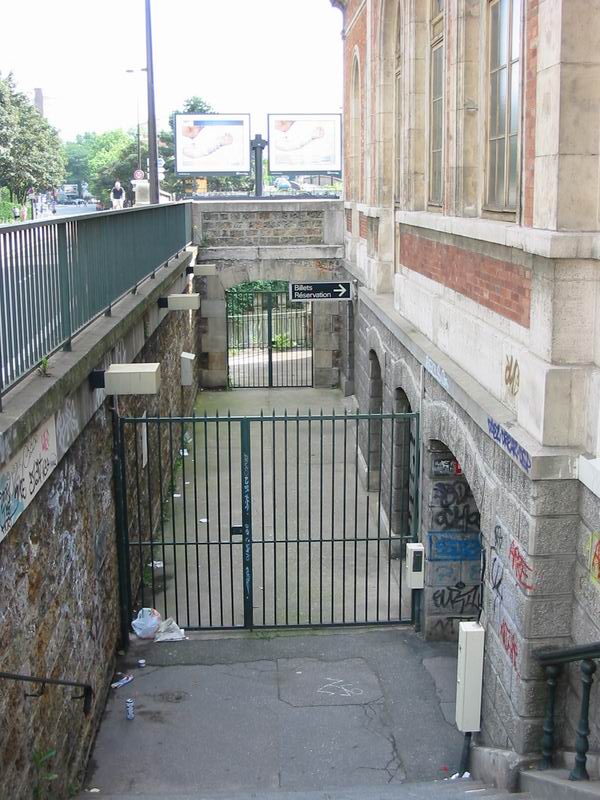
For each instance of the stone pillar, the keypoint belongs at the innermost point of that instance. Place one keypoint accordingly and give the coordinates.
(451, 534)
(326, 335)
(213, 332)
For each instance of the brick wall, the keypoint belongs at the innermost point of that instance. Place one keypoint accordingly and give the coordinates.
(529, 99)
(363, 225)
(499, 285)
(349, 220)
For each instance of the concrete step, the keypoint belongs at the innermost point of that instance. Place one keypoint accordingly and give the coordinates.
(431, 790)
(554, 784)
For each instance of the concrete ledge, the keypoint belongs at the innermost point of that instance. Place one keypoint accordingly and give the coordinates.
(494, 418)
(295, 204)
(554, 784)
(36, 398)
(272, 253)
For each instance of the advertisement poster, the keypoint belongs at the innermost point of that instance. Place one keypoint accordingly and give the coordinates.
(305, 143)
(212, 144)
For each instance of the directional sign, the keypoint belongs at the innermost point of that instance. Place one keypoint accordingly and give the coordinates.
(321, 290)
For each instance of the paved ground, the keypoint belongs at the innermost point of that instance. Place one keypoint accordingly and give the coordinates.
(244, 712)
(321, 552)
(290, 368)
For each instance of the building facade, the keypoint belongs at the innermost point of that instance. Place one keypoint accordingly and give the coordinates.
(472, 219)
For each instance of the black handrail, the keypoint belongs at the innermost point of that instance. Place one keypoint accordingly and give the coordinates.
(552, 661)
(87, 696)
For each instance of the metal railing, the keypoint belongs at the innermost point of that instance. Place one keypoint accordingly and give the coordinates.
(552, 661)
(58, 275)
(87, 696)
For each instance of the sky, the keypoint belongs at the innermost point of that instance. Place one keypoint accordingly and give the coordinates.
(240, 56)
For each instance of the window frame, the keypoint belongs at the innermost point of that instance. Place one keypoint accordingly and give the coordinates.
(504, 210)
(437, 42)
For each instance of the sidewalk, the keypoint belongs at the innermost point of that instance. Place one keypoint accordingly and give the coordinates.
(287, 710)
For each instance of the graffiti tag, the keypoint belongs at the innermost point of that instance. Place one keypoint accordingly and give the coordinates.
(509, 443)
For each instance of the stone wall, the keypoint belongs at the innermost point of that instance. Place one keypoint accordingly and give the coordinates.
(528, 530)
(59, 590)
(286, 240)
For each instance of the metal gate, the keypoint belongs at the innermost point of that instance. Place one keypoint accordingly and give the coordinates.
(230, 522)
(269, 340)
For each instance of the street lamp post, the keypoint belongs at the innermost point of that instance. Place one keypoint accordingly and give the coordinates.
(137, 111)
(152, 143)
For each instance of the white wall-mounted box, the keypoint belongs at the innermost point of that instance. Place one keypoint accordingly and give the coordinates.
(469, 677)
(415, 565)
(132, 379)
(187, 368)
(183, 302)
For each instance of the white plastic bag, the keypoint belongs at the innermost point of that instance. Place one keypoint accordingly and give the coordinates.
(169, 631)
(146, 624)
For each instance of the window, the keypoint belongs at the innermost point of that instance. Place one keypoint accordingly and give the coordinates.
(436, 106)
(355, 132)
(504, 103)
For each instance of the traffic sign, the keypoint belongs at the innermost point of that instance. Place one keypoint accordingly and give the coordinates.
(138, 175)
(321, 290)
(160, 162)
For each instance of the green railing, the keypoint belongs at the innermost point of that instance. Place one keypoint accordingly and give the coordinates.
(58, 275)
(553, 661)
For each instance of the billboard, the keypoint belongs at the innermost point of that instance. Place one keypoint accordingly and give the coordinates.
(212, 144)
(305, 143)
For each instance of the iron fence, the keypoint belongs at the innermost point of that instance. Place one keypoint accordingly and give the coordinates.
(58, 275)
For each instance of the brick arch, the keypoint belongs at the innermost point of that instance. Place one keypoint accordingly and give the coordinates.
(375, 343)
(409, 379)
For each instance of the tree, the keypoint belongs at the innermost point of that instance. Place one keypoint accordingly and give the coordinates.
(31, 153)
(100, 159)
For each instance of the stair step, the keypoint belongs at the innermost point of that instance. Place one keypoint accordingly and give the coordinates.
(553, 784)
(431, 790)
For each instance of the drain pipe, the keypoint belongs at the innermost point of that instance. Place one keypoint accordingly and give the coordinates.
(465, 755)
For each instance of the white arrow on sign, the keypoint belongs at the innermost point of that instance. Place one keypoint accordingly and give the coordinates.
(341, 290)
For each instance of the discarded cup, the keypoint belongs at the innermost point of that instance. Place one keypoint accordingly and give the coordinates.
(130, 708)
(141, 663)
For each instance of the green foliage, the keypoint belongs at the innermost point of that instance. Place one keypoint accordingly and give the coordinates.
(282, 341)
(102, 158)
(44, 367)
(31, 153)
(42, 777)
(239, 298)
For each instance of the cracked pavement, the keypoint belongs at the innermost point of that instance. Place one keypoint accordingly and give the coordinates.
(293, 710)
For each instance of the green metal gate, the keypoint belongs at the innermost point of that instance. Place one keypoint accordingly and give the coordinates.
(269, 340)
(263, 521)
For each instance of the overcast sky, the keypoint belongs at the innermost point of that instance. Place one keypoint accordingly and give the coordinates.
(239, 55)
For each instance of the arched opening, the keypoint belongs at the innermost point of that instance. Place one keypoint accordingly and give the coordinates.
(374, 432)
(355, 132)
(452, 530)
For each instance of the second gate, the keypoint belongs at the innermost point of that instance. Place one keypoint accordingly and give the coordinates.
(269, 340)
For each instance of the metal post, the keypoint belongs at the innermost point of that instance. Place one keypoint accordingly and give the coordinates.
(65, 286)
(152, 144)
(247, 521)
(270, 337)
(552, 673)
(579, 771)
(258, 144)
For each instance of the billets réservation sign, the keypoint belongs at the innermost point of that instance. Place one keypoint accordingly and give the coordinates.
(25, 474)
(321, 290)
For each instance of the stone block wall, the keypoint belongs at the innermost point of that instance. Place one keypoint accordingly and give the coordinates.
(529, 534)
(59, 590)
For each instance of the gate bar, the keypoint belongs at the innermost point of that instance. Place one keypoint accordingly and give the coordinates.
(247, 521)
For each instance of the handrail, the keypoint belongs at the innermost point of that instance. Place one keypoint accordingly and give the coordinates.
(59, 275)
(552, 661)
(566, 655)
(87, 696)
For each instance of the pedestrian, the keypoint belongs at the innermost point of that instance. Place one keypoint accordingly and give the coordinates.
(24, 214)
(117, 196)
(16, 213)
